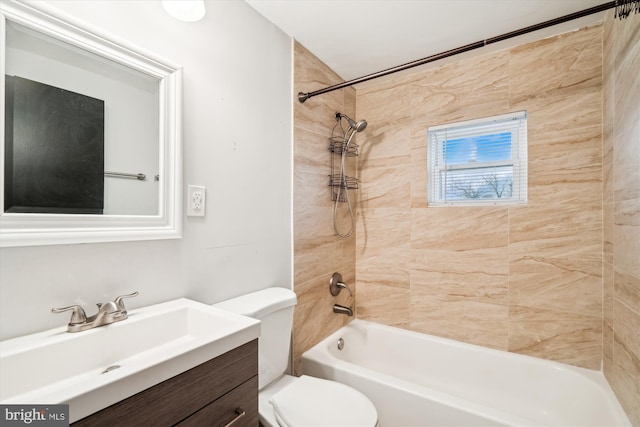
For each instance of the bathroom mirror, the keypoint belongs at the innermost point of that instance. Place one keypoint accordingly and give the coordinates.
(91, 134)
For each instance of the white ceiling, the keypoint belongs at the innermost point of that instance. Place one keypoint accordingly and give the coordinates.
(360, 37)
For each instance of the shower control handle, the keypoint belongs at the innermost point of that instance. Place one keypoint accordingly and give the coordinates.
(336, 285)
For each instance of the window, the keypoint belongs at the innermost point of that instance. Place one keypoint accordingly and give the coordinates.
(481, 161)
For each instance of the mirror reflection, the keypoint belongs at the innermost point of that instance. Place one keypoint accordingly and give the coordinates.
(81, 131)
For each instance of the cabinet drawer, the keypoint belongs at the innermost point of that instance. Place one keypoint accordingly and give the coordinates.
(242, 399)
(177, 398)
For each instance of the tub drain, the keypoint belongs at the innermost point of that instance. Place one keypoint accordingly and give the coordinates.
(340, 344)
(110, 368)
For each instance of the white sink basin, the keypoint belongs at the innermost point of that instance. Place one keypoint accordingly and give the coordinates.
(154, 344)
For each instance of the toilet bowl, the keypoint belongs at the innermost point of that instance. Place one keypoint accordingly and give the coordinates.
(289, 401)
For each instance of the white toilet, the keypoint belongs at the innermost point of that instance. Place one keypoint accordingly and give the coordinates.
(289, 401)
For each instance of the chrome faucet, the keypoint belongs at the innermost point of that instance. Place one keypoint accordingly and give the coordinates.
(110, 312)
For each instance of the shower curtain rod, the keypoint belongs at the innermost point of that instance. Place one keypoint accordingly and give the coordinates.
(302, 96)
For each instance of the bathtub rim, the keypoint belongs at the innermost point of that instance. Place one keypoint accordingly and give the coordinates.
(321, 353)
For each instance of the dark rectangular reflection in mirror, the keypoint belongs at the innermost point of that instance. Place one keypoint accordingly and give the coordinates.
(54, 149)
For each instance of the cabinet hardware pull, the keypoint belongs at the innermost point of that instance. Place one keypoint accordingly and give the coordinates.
(239, 414)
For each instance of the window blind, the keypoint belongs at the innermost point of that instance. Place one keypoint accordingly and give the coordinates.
(481, 161)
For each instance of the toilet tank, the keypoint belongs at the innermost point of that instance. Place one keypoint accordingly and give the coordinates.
(274, 308)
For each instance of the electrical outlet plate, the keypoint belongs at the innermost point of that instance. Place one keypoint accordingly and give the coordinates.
(196, 200)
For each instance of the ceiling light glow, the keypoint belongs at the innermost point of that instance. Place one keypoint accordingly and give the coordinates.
(185, 10)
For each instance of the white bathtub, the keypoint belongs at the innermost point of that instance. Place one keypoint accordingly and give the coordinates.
(420, 380)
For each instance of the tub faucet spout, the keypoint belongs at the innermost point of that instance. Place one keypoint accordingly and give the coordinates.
(341, 309)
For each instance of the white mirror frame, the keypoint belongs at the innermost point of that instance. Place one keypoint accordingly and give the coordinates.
(50, 229)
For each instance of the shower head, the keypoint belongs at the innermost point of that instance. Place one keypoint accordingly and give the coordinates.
(358, 126)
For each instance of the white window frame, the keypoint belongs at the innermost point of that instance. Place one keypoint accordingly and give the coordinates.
(437, 167)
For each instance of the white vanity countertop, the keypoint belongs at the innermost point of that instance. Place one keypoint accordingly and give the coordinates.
(154, 344)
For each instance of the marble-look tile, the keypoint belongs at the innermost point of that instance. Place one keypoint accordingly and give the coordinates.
(627, 290)
(621, 213)
(626, 311)
(626, 38)
(310, 74)
(386, 105)
(318, 252)
(547, 117)
(607, 233)
(383, 266)
(314, 318)
(349, 107)
(313, 230)
(626, 236)
(383, 139)
(607, 294)
(556, 231)
(608, 109)
(311, 152)
(458, 274)
(385, 183)
(558, 335)
(311, 189)
(461, 319)
(626, 174)
(419, 176)
(318, 116)
(310, 265)
(573, 171)
(626, 158)
(572, 285)
(396, 81)
(607, 143)
(626, 76)
(625, 380)
(474, 274)
(576, 160)
(563, 243)
(383, 304)
(477, 87)
(567, 156)
(459, 228)
(386, 102)
(559, 64)
(564, 192)
(383, 227)
(607, 352)
(461, 294)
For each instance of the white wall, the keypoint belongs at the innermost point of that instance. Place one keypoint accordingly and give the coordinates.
(237, 143)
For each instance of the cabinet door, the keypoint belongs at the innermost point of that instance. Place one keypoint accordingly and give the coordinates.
(177, 398)
(238, 408)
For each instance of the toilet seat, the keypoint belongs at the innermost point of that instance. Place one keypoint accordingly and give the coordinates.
(311, 401)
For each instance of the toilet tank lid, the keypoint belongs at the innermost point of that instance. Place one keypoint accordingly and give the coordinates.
(260, 303)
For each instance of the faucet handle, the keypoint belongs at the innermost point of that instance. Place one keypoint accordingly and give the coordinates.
(118, 301)
(78, 315)
(336, 285)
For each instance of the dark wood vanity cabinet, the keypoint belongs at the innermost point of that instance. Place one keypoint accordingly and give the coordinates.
(212, 394)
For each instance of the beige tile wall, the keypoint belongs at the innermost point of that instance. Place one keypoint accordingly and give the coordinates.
(525, 279)
(318, 252)
(622, 210)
